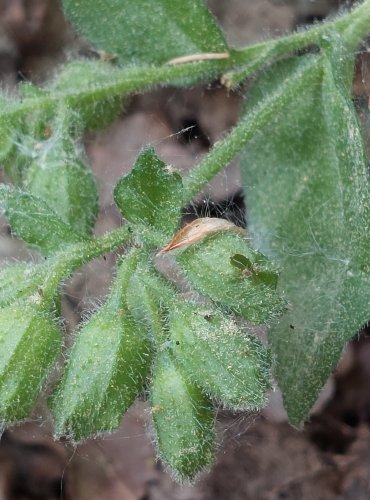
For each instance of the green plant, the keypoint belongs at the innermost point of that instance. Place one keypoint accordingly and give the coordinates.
(301, 150)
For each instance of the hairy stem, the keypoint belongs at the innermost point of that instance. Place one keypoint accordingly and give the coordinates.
(241, 64)
(224, 151)
(71, 258)
(355, 26)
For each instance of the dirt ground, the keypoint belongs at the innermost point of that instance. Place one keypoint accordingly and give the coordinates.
(260, 457)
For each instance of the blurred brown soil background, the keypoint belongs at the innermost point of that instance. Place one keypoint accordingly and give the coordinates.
(259, 456)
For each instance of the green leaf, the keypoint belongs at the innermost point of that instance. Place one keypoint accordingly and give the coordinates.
(222, 359)
(150, 195)
(7, 126)
(29, 345)
(306, 183)
(106, 371)
(67, 186)
(20, 157)
(19, 280)
(210, 267)
(29, 91)
(32, 220)
(183, 420)
(107, 367)
(147, 293)
(146, 31)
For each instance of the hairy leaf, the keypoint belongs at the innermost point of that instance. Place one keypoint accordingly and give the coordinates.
(146, 31)
(105, 373)
(147, 293)
(306, 183)
(66, 184)
(19, 280)
(183, 420)
(29, 344)
(107, 367)
(8, 107)
(32, 220)
(251, 293)
(227, 362)
(150, 195)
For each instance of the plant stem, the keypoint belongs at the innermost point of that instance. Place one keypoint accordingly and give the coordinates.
(73, 257)
(224, 151)
(355, 26)
(245, 61)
